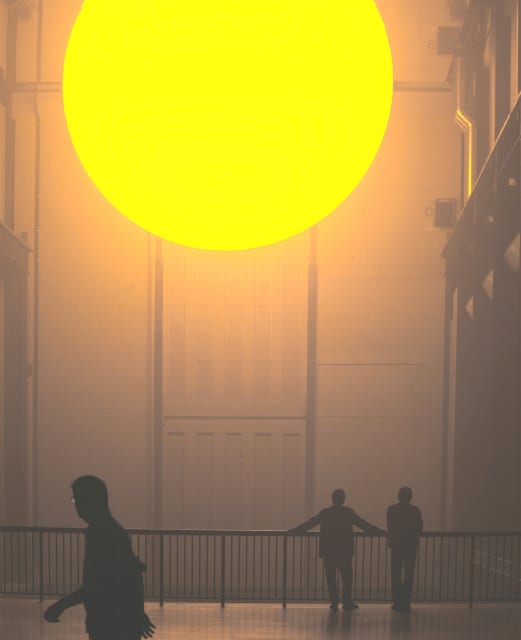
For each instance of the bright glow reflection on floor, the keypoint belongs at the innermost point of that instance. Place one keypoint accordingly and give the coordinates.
(21, 620)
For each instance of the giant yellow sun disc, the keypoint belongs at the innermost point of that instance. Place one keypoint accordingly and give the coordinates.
(227, 124)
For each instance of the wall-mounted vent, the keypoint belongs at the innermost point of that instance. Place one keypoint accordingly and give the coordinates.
(445, 212)
(22, 7)
(447, 41)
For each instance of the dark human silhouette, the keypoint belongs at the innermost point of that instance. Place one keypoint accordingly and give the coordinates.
(404, 521)
(112, 590)
(336, 545)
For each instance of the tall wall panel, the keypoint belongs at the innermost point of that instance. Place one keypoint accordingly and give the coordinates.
(293, 471)
(234, 473)
(91, 339)
(2, 402)
(380, 317)
(174, 487)
(235, 331)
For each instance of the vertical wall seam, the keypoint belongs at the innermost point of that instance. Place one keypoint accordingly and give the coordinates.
(36, 263)
(158, 383)
(311, 374)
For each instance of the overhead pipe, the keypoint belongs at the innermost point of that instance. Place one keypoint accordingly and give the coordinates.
(10, 81)
(467, 124)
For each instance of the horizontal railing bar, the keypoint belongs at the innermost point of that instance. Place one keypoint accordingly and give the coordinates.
(253, 532)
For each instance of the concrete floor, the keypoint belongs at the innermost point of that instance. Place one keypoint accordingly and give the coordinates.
(22, 620)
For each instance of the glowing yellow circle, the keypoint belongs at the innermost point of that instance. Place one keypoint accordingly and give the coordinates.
(227, 124)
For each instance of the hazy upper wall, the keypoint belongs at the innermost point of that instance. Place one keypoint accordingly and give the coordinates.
(381, 316)
(235, 325)
(3, 60)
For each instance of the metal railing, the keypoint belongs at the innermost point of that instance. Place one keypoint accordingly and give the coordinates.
(270, 566)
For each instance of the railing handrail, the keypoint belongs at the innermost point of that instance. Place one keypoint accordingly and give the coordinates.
(252, 532)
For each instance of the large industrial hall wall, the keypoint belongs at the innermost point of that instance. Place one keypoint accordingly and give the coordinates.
(187, 379)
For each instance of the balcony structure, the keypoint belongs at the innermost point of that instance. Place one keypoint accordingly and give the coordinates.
(267, 584)
(267, 566)
(482, 426)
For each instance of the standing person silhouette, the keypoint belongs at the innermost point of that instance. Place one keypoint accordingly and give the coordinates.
(336, 545)
(405, 524)
(112, 591)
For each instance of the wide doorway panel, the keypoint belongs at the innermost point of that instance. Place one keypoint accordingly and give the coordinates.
(233, 474)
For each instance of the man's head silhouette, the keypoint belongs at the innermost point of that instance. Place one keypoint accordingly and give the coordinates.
(90, 497)
(405, 495)
(338, 497)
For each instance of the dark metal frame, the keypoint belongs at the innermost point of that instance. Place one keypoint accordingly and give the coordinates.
(487, 225)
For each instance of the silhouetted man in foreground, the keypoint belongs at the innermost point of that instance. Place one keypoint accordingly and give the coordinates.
(404, 521)
(336, 545)
(112, 590)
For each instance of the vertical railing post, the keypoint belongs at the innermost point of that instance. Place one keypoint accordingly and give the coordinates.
(40, 553)
(223, 565)
(471, 571)
(161, 570)
(284, 570)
